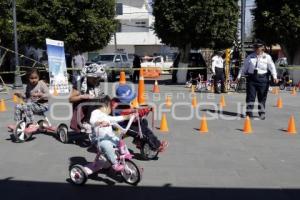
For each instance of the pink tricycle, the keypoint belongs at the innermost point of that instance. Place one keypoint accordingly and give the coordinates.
(132, 173)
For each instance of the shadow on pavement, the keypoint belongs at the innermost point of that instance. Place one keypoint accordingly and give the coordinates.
(223, 112)
(13, 189)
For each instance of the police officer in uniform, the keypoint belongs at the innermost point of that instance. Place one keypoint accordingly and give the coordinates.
(257, 67)
(218, 71)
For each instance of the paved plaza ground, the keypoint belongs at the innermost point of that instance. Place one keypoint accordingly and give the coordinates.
(224, 163)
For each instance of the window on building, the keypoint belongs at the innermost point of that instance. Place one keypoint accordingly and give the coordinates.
(140, 23)
(119, 9)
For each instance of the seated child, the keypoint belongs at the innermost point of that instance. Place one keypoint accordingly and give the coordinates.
(121, 106)
(102, 127)
(36, 101)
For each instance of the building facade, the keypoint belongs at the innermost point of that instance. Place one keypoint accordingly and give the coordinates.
(134, 34)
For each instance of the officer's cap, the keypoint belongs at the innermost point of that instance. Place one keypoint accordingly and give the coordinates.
(258, 43)
(218, 52)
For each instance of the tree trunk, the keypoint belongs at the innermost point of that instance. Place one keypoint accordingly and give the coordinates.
(183, 63)
(293, 57)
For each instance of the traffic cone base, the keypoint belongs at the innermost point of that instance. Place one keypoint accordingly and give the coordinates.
(164, 124)
(291, 126)
(203, 125)
(247, 126)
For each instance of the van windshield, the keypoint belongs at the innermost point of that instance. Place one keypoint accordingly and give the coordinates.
(105, 58)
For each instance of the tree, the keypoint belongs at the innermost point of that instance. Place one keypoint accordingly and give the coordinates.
(190, 24)
(84, 25)
(6, 23)
(279, 22)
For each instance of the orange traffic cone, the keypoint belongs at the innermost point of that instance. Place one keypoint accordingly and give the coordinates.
(247, 126)
(135, 103)
(141, 89)
(273, 90)
(279, 103)
(122, 80)
(194, 101)
(276, 90)
(291, 126)
(2, 106)
(15, 99)
(155, 87)
(294, 93)
(164, 124)
(193, 89)
(203, 125)
(222, 101)
(55, 93)
(168, 102)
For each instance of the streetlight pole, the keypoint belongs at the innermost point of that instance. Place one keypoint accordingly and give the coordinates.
(18, 81)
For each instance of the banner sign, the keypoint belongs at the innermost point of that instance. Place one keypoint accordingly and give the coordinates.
(57, 67)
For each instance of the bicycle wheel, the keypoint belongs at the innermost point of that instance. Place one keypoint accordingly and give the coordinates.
(132, 174)
(148, 153)
(77, 175)
(19, 133)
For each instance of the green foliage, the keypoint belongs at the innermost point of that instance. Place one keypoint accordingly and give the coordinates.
(206, 24)
(278, 22)
(6, 23)
(83, 25)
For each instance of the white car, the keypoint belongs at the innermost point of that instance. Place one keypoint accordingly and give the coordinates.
(157, 61)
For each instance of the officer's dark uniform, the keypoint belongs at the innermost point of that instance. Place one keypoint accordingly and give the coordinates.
(136, 65)
(218, 71)
(257, 68)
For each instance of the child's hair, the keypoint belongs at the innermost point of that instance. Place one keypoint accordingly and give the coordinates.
(33, 71)
(105, 101)
(96, 104)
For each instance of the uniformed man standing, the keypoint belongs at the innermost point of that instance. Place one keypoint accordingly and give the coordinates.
(257, 67)
(218, 71)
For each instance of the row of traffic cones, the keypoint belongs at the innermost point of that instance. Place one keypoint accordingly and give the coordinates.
(141, 88)
(247, 124)
(275, 90)
(291, 129)
(222, 102)
(15, 99)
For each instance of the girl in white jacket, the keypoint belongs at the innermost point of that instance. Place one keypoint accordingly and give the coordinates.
(101, 123)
